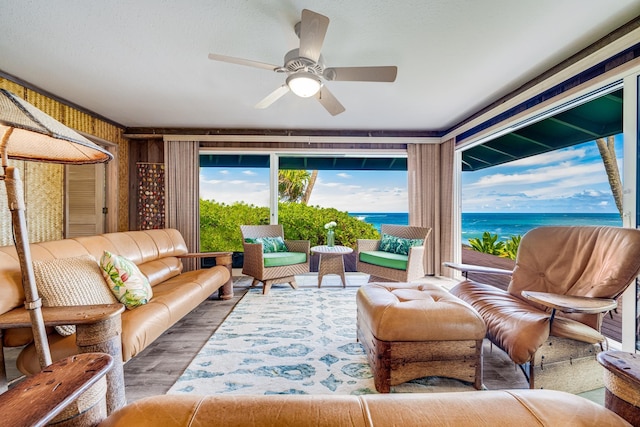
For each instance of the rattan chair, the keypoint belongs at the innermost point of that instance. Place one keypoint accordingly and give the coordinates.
(254, 258)
(416, 260)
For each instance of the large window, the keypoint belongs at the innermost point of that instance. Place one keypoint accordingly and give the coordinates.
(372, 188)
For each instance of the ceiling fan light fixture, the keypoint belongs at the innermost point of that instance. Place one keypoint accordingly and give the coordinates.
(304, 84)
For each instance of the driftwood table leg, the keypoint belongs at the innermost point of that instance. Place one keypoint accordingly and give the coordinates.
(226, 291)
(104, 337)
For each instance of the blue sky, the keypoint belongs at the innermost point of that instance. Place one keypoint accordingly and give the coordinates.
(568, 180)
(563, 181)
(352, 191)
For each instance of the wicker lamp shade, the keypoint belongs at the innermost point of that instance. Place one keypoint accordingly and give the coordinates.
(29, 134)
(26, 133)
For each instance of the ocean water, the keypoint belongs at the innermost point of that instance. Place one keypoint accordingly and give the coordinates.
(504, 225)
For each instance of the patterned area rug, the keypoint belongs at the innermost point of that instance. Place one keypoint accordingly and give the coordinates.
(291, 342)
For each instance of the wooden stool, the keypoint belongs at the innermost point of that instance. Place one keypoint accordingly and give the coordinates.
(622, 384)
(413, 331)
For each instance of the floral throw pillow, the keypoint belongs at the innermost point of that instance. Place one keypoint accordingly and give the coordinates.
(269, 244)
(398, 245)
(128, 284)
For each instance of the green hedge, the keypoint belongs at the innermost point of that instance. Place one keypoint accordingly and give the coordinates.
(220, 224)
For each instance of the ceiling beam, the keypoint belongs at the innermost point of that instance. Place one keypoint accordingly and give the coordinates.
(528, 139)
(579, 127)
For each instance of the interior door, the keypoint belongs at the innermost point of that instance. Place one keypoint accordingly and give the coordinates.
(85, 200)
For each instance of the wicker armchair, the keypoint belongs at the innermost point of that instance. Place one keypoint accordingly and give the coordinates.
(415, 265)
(254, 258)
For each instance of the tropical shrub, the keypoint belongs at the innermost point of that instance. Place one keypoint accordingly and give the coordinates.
(511, 247)
(220, 224)
(489, 244)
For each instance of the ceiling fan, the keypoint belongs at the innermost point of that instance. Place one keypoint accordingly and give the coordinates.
(305, 68)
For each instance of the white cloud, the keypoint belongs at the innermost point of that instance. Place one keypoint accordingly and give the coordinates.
(343, 175)
(249, 172)
(577, 173)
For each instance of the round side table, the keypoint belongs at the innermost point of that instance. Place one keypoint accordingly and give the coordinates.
(622, 383)
(331, 261)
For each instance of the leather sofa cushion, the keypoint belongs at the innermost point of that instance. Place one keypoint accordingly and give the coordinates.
(474, 408)
(385, 259)
(278, 259)
(516, 326)
(416, 312)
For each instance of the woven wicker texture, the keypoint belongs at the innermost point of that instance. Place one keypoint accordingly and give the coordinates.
(415, 264)
(52, 226)
(71, 281)
(254, 261)
(44, 204)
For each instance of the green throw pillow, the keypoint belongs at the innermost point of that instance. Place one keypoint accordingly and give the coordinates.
(269, 244)
(128, 284)
(398, 245)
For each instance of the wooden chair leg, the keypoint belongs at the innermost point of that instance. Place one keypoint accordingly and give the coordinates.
(266, 288)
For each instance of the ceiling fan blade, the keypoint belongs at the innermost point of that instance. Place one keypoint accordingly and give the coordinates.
(329, 102)
(361, 74)
(313, 28)
(273, 97)
(241, 61)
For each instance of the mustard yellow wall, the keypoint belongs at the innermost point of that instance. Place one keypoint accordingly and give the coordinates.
(44, 183)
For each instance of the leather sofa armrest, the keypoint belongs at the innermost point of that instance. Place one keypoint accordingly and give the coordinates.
(51, 390)
(205, 255)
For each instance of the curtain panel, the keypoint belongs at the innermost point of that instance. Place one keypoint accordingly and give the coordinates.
(430, 176)
(182, 193)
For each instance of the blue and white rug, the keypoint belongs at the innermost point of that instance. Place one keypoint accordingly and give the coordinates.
(291, 342)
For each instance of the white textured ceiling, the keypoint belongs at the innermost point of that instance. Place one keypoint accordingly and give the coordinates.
(143, 63)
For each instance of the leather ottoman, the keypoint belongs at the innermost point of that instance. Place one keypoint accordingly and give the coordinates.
(414, 330)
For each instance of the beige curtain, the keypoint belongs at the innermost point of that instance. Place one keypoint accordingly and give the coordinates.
(430, 174)
(182, 193)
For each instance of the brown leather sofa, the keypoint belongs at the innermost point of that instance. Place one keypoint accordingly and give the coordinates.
(157, 253)
(75, 375)
(473, 408)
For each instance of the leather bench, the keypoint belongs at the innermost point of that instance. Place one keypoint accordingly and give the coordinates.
(413, 330)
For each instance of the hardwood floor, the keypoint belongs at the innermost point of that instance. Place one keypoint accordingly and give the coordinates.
(159, 366)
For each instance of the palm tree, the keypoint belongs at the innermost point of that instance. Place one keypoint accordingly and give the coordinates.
(608, 154)
(296, 185)
(292, 184)
(310, 184)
